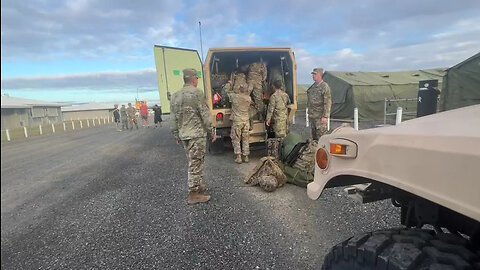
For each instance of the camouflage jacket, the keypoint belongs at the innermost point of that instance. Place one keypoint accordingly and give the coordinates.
(277, 107)
(123, 112)
(131, 112)
(238, 80)
(319, 100)
(257, 72)
(190, 115)
(240, 107)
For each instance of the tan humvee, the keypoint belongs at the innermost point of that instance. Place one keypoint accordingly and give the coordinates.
(430, 168)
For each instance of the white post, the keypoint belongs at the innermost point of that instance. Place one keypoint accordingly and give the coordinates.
(40, 128)
(328, 123)
(88, 123)
(81, 124)
(64, 127)
(93, 122)
(8, 135)
(355, 118)
(307, 123)
(104, 121)
(73, 125)
(53, 128)
(25, 132)
(293, 119)
(398, 120)
(112, 119)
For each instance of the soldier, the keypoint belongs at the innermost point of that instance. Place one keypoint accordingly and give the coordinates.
(190, 125)
(319, 103)
(240, 130)
(131, 115)
(124, 117)
(116, 116)
(278, 108)
(257, 74)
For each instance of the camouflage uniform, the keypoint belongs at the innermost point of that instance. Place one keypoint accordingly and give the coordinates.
(277, 108)
(239, 80)
(319, 103)
(124, 117)
(240, 130)
(257, 74)
(190, 122)
(131, 115)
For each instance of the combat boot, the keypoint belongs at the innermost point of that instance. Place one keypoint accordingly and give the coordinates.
(245, 158)
(202, 189)
(238, 159)
(196, 197)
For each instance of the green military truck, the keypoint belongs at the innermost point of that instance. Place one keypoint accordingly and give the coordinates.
(220, 65)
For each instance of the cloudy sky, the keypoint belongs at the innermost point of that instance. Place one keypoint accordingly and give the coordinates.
(102, 50)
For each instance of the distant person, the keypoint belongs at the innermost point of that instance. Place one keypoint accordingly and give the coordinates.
(116, 116)
(131, 116)
(144, 114)
(278, 110)
(157, 118)
(190, 124)
(124, 117)
(319, 104)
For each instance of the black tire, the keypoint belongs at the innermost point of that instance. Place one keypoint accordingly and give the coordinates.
(402, 249)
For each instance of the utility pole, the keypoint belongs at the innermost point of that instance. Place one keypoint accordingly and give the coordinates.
(201, 44)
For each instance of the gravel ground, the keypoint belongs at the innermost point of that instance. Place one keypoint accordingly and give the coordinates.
(98, 198)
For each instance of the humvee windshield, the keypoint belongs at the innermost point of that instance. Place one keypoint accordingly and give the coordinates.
(223, 64)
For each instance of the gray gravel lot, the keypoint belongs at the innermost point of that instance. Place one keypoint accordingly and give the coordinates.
(98, 198)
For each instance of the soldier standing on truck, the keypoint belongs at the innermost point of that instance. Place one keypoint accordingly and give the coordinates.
(240, 131)
(319, 103)
(257, 74)
(278, 109)
(131, 115)
(190, 124)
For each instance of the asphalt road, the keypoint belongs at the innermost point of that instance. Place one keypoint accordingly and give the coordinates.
(98, 198)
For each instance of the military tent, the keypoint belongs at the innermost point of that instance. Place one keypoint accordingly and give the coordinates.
(367, 92)
(461, 85)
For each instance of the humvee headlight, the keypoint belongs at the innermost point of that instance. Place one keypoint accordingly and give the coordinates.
(322, 158)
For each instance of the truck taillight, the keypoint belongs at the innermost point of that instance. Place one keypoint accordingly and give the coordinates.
(219, 117)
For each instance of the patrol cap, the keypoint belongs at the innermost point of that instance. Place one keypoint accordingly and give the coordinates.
(317, 70)
(190, 72)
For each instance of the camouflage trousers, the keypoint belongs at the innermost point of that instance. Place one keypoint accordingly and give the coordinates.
(125, 124)
(318, 128)
(133, 121)
(257, 98)
(195, 151)
(240, 132)
(280, 127)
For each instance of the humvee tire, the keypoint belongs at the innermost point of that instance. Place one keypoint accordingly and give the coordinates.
(402, 249)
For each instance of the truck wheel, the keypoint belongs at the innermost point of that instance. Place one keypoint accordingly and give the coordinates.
(402, 249)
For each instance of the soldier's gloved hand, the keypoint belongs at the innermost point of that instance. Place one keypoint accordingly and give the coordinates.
(324, 120)
(267, 123)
